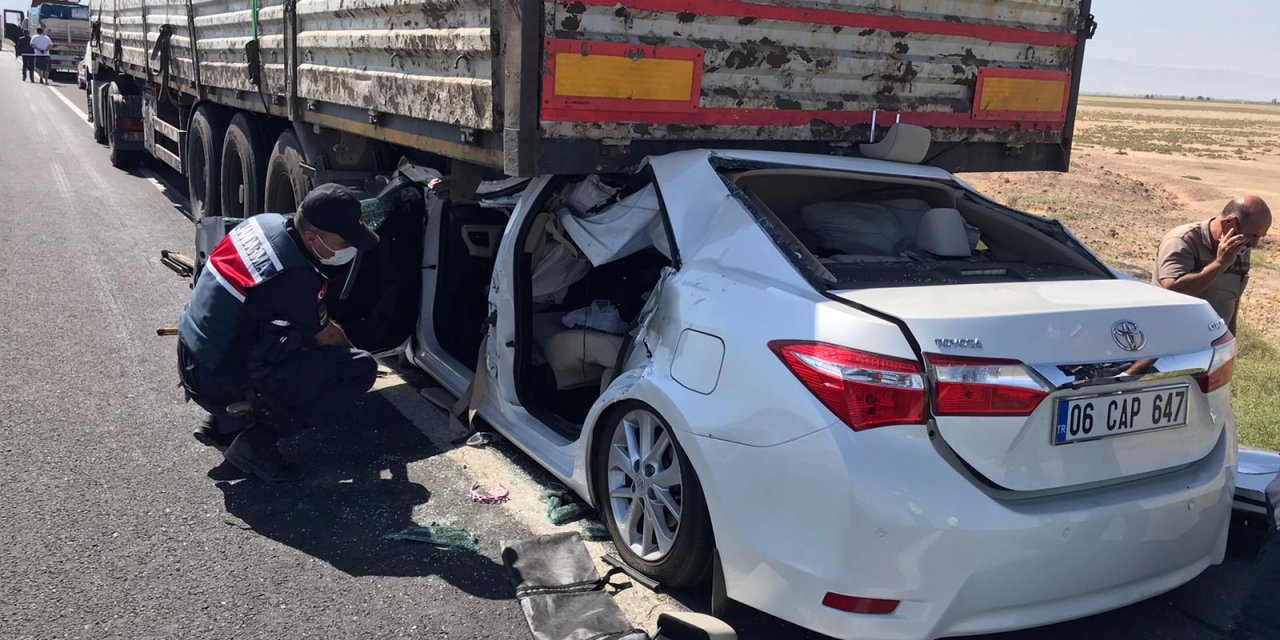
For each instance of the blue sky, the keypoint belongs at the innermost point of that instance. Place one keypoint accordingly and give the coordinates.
(1231, 35)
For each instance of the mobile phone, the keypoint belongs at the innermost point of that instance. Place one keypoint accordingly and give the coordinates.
(1230, 224)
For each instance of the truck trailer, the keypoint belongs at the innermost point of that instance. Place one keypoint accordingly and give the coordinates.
(256, 100)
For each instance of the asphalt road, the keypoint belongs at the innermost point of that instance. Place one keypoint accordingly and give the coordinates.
(115, 523)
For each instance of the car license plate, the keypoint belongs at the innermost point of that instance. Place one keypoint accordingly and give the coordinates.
(131, 136)
(1113, 414)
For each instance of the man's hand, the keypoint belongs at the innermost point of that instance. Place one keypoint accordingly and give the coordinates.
(1230, 246)
(333, 335)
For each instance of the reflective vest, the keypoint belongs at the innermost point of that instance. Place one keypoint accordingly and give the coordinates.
(252, 253)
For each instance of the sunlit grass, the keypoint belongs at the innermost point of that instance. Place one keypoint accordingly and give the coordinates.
(1254, 393)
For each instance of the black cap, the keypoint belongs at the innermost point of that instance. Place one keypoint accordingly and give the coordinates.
(336, 209)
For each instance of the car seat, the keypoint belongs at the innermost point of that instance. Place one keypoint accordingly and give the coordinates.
(582, 357)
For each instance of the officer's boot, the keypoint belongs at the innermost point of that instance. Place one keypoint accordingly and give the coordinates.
(219, 431)
(254, 452)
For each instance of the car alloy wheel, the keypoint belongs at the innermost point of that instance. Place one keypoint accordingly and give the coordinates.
(646, 488)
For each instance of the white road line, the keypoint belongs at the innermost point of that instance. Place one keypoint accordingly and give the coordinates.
(71, 105)
(162, 183)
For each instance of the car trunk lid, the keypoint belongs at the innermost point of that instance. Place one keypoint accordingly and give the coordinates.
(1062, 331)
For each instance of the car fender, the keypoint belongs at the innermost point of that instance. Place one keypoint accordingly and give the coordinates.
(639, 384)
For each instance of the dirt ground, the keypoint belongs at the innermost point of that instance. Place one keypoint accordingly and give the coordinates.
(1142, 167)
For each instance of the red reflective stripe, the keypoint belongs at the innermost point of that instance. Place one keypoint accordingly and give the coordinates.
(792, 118)
(228, 263)
(737, 9)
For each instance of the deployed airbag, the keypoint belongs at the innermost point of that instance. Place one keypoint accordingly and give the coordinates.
(631, 225)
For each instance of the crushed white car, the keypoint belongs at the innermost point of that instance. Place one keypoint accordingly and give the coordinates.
(860, 395)
(874, 402)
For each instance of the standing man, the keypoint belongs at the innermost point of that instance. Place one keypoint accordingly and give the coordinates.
(41, 45)
(1210, 259)
(24, 51)
(257, 327)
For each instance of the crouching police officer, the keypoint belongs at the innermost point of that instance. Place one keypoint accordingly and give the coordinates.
(257, 331)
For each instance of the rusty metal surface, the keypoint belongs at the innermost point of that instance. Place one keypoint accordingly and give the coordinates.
(122, 29)
(436, 61)
(174, 14)
(224, 28)
(781, 65)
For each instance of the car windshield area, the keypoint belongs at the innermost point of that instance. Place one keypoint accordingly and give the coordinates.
(856, 231)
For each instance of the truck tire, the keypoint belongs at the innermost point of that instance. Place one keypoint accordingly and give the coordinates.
(120, 158)
(244, 169)
(287, 182)
(204, 160)
(123, 160)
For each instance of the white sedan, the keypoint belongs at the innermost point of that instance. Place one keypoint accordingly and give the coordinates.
(889, 406)
(869, 400)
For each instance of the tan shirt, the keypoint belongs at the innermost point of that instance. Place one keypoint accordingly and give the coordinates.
(1189, 249)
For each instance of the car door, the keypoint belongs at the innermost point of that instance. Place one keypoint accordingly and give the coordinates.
(459, 250)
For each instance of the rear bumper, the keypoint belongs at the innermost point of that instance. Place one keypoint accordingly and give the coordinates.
(879, 514)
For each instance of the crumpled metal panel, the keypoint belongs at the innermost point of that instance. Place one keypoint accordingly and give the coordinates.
(791, 63)
(435, 64)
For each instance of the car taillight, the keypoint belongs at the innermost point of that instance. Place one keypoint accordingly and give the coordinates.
(128, 124)
(984, 386)
(1222, 366)
(865, 390)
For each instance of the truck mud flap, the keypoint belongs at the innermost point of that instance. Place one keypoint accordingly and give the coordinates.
(210, 230)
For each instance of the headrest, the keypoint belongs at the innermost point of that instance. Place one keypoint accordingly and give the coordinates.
(903, 143)
(942, 233)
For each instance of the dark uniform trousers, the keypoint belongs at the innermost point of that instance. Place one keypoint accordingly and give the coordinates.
(310, 386)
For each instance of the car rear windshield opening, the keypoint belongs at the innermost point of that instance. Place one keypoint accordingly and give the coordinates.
(860, 232)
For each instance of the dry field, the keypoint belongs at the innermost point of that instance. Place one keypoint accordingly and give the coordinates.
(1142, 167)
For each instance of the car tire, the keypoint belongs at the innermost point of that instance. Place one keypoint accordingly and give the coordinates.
(287, 182)
(243, 169)
(687, 561)
(204, 160)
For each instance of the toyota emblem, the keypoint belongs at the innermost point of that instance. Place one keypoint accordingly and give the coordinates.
(1128, 335)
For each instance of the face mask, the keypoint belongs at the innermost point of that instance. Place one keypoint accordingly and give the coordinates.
(339, 257)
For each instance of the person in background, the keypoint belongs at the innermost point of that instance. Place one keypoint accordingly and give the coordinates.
(1210, 259)
(24, 51)
(41, 44)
